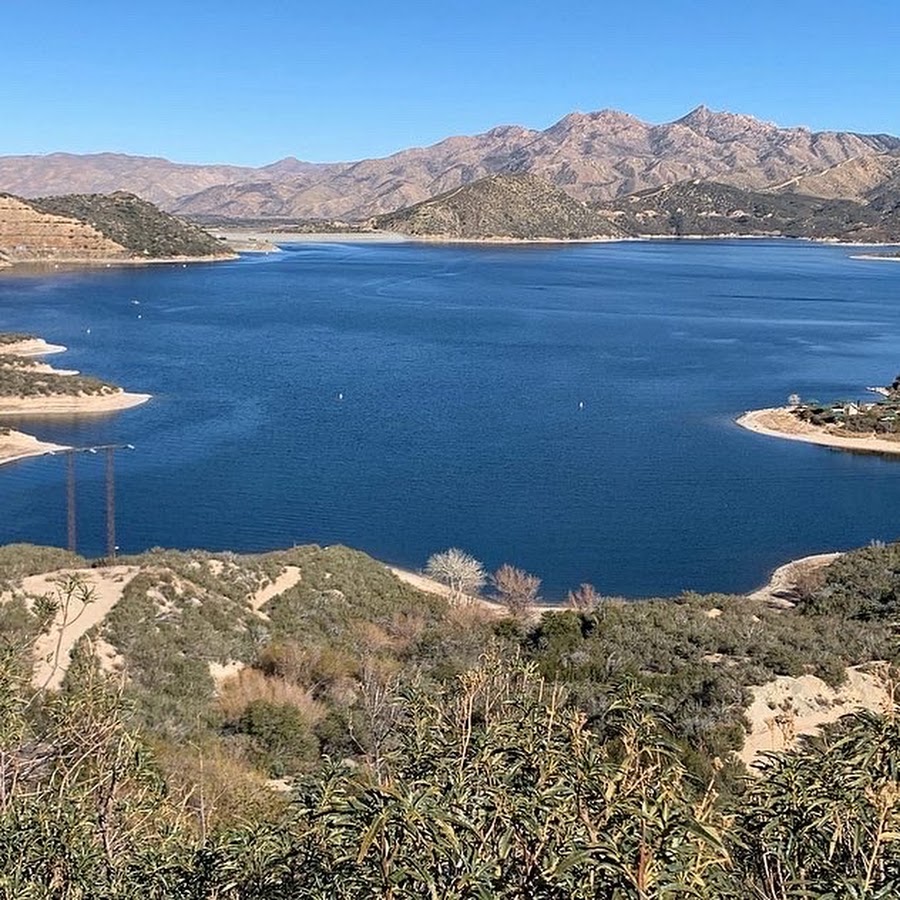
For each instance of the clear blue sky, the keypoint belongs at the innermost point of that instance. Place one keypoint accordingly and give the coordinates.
(251, 82)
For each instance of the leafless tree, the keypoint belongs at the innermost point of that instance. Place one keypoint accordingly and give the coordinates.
(584, 598)
(516, 589)
(462, 573)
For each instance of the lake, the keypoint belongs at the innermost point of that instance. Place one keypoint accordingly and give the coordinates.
(565, 408)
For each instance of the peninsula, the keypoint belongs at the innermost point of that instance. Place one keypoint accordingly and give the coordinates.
(842, 425)
(32, 388)
(96, 229)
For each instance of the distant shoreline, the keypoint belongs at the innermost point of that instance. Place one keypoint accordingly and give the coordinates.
(393, 237)
(49, 266)
(780, 422)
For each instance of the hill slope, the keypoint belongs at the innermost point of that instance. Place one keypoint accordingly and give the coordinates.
(501, 206)
(95, 228)
(710, 209)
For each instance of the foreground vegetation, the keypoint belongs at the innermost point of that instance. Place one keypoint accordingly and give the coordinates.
(436, 748)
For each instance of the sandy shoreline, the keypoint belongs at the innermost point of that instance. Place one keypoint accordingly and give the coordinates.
(70, 404)
(780, 422)
(250, 236)
(16, 445)
(31, 347)
(49, 266)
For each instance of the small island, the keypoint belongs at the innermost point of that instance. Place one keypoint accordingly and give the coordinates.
(856, 426)
(32, 388)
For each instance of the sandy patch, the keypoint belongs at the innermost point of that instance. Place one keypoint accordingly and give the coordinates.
(16, 445)
(70, 404)
(221, 672)
(786, 708)
(780, 422)
(289, 576)
(53, 650)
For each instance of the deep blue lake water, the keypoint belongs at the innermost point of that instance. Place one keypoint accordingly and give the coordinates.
(462, 370)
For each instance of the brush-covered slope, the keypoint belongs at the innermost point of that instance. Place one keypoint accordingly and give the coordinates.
(28, 234)
(501, 206)
(139, 227)
(710, 209)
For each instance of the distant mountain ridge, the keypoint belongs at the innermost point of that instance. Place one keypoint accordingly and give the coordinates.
(596, 156)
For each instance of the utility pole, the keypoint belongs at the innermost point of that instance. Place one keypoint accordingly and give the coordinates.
(110, 503)
(71, 520)
(70, 504)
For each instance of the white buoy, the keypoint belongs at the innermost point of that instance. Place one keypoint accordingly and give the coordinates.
(581, 404)
(87, 330)
(340, 396)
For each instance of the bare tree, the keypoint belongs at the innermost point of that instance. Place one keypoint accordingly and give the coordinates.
(462, 573)
(516, 589)
(584, 598)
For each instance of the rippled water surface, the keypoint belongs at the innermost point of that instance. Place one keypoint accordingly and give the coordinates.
(565, 408)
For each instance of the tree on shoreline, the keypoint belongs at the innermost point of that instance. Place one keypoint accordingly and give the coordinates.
(516, 589)
(462, 573)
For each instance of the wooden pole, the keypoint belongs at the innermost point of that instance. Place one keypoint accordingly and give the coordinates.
(70, 501)
(110, 503)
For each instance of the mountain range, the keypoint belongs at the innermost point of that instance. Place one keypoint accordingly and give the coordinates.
(593, 157)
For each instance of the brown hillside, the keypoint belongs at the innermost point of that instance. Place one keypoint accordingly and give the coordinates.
(27, 235)
(502, 206)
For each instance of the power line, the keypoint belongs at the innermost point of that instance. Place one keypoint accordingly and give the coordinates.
(71, 521)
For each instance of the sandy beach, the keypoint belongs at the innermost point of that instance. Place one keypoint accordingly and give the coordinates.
(70, 404)
(780, 422)
(14, 445)
(31, 347)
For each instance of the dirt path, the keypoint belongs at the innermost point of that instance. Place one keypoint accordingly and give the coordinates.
(53, 650)
(285, 581)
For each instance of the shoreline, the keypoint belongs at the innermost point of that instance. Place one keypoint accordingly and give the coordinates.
(779, 422)
(390, 237)
(49, 266)
(31, 347)
(16, 445)
(71, 404)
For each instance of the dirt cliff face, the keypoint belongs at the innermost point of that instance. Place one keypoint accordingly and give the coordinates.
(27, 235)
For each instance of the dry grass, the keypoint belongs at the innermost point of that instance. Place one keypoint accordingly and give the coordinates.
(239, 691)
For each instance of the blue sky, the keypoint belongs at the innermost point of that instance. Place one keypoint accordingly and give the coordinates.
(249, 83)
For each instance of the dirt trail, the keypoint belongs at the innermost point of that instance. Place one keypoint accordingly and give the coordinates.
(53, 650)
(290, 576)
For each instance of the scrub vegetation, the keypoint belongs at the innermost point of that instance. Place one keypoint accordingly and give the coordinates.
(352, 737)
